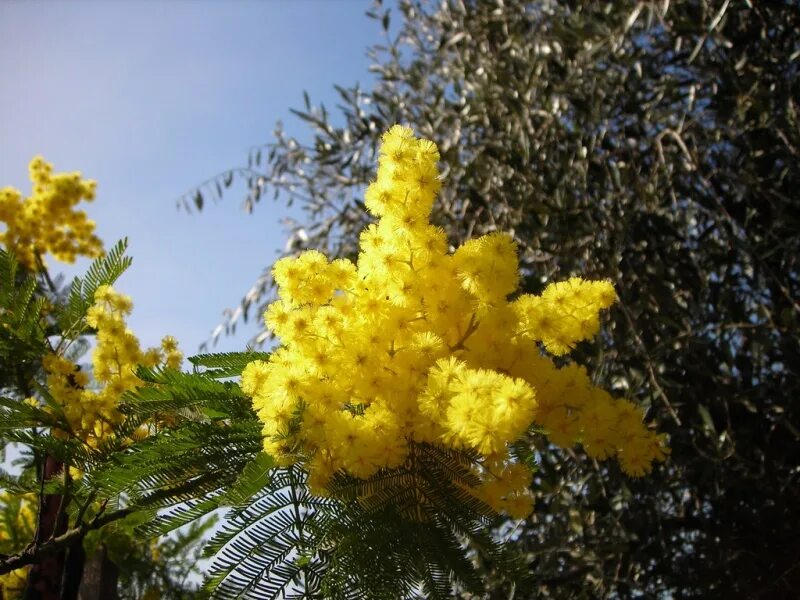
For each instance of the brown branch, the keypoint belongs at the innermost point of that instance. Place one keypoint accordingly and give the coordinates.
(649, 364)
(471, 328)
(34, 553)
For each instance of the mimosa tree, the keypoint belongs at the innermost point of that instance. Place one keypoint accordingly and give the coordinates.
(368, 455)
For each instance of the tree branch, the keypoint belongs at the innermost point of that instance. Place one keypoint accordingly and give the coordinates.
(34, 553)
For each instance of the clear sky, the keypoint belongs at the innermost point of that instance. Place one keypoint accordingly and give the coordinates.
(152, 97)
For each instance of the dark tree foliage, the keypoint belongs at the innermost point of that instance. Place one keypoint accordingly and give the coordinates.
(656, 144)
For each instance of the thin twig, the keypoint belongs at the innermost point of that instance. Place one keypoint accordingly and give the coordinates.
(471, 327)
(64, 500)
(649, 364)
(84, 508)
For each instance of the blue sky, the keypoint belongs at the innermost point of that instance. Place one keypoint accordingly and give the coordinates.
(149, 98)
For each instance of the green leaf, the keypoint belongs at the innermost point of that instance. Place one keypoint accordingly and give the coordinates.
(103, 271)
(254, 477)
(225, 365)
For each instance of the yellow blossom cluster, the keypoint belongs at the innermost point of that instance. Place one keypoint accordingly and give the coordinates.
(17, 525)
(47, 221)
(92, 413)
(417, 344)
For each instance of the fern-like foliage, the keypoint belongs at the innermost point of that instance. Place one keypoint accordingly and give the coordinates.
(103, 271)
(186, 393)
(191, 459)
(22, 332)
(224, 365)
(403, 533)
(21, 415)
(422, 518)
(267, 548)
(204, 452)
(14, 484)
(32, 310)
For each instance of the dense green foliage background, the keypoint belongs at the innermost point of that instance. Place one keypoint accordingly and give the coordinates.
(653, 143)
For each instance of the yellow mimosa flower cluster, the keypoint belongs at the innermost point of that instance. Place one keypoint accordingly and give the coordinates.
(47, 221)
(14, 535)
(417, 344)
(92, 413)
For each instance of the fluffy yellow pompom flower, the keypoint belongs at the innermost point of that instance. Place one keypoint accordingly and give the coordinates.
(92, 412)
(47, 221)
(413, 344)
